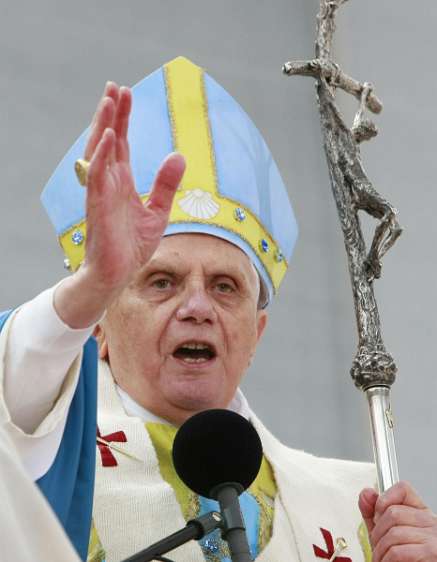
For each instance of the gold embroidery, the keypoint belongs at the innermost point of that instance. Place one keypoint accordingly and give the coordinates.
(169, 97)
(190, 123)
(264, 490)
(96, 552)
(266, 520)
(363, 537)
(118, 449)
(340, 545)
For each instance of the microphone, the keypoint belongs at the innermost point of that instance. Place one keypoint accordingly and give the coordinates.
(218, 454)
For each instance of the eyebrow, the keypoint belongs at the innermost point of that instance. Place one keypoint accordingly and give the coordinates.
(158, 266)
(164, 265)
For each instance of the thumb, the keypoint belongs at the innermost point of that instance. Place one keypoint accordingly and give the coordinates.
(366, 504)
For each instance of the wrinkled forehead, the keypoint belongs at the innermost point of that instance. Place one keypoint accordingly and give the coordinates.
(191, 250)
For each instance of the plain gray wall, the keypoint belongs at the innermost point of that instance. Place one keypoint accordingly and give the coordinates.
(56, 57)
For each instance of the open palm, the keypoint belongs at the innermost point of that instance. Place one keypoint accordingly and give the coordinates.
(122, 233)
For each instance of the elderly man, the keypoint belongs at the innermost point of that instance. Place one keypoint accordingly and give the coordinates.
(177, 320)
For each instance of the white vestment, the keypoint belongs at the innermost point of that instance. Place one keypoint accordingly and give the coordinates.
(134, 506)
(29, 532)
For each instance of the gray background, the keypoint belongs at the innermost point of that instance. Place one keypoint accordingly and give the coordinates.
(55, 59)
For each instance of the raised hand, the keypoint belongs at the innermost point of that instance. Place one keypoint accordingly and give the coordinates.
(401, 527)
(122, 233)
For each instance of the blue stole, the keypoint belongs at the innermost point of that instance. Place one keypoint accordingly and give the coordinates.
(69, 483)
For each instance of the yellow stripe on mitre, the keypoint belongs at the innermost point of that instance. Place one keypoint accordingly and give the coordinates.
(188, 112)
(202, 202)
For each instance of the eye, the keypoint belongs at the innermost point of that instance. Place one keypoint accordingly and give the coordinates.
(225, 287)
(161, 283)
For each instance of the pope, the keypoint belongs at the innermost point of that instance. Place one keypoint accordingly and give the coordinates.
(177, 243)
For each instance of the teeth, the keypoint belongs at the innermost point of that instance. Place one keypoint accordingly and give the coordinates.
(194, 360)
(194, 345)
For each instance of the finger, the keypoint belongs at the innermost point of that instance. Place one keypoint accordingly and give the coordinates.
(99, 162)
(401, 515)
(401, 493)
(104, 119)
(395, 537)
(405, 553)
(111, 90)
(121, 124)
(166, 182)
(366, 503)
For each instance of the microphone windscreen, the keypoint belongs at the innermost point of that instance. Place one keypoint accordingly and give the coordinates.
(214, 447)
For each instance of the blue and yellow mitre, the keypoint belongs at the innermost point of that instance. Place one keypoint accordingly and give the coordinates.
(231, 188)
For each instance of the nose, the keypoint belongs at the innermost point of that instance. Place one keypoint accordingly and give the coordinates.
(196, 306)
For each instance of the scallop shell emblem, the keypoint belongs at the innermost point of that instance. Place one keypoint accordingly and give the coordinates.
(199, 204)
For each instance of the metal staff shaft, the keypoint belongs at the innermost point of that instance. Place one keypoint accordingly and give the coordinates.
(381, 421)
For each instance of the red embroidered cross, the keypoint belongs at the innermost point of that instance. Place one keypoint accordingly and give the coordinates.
(108, 458)
(330, 548)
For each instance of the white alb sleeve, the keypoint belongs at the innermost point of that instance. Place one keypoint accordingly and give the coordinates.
(39, 370)
(29, 530)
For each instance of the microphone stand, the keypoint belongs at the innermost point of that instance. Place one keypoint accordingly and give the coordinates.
(234, 529)
(230, 521)
(195, 529)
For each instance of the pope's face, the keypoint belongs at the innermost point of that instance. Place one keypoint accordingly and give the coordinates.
(182, 334)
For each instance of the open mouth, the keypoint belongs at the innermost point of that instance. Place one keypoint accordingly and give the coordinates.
(195, 352)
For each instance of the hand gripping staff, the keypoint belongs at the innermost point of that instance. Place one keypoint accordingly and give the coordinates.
(373, 369)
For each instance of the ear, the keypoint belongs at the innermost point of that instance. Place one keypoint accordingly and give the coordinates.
(261, 323)
(100, 336)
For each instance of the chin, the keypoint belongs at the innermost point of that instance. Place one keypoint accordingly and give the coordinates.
(196, 397)
(196, 403)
